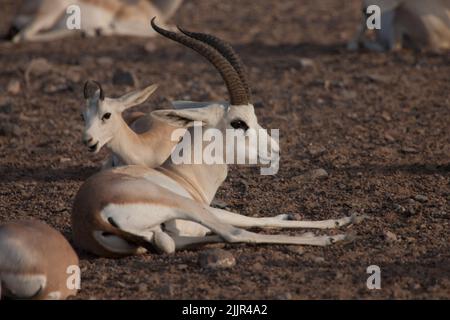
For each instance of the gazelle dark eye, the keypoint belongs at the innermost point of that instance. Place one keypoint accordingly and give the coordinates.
(239, 124)
(106, 116)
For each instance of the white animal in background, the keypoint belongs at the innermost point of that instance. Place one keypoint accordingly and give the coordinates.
(130, 209)
(407, 23)
(147, 141)
(46, 20)
(36, 262)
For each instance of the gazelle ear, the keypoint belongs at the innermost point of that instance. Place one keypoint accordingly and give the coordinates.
(135, 98)
(185, 118)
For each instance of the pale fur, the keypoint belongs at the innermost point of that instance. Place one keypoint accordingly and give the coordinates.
(45, 20)
(420, 24)
(33, 261)
(169, 207)
(139, 139)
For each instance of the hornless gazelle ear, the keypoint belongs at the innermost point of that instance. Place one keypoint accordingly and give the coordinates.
(93, 90)
(185, 118)
(135, 98)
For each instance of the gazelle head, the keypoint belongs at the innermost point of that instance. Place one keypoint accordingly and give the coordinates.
(239, 115)
(102, 115)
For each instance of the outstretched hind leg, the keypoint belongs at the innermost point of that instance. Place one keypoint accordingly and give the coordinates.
(251, 237)
(198, 213)
(280, 221)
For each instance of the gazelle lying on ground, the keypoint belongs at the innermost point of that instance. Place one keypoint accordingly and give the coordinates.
(35, 262)
(136, 139)
(407, 23)
(45, 20)
(146, 142)
(126, 210)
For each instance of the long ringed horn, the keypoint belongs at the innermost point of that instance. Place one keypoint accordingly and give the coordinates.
(236, 90)
(227, 51)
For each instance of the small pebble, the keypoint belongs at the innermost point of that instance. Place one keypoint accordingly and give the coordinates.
(421, 198)
(105, 61)
(142, 287)
(316, 150)
(296, 249)
(216, 259)
(37, 67)
(9, 129)
(318, 259)
(386, 116)
(318, 174)
(409, 150)
(389, 137)
(285, 296)
(390, 236)
(307, 63)
(73, 74)
(150, 47)
(14, 87)
(5, 106)
(400, 209)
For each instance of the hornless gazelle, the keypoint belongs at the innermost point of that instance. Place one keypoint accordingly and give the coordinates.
(147, 141)
(407, 23)
(36, 262)
(46, 20)
(129, 209)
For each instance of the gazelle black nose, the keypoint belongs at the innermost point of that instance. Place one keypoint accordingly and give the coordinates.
(87, 140)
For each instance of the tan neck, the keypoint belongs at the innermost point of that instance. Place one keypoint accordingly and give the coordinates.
(126, 144)
(150, 145)
(201, 180)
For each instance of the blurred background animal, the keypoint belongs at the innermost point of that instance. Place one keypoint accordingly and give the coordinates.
(46, 20)
(416, 24)
(36, 262)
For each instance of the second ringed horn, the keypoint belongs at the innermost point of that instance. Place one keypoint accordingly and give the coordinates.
(226, 50)
(236, 90)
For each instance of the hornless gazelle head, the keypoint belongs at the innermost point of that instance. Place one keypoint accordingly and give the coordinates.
(238, 116)
(102, 115)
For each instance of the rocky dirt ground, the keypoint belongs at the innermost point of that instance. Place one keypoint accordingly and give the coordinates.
(376, 124)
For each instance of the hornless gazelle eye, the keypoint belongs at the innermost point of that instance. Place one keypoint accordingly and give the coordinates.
(106, 116)
(239, 124)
